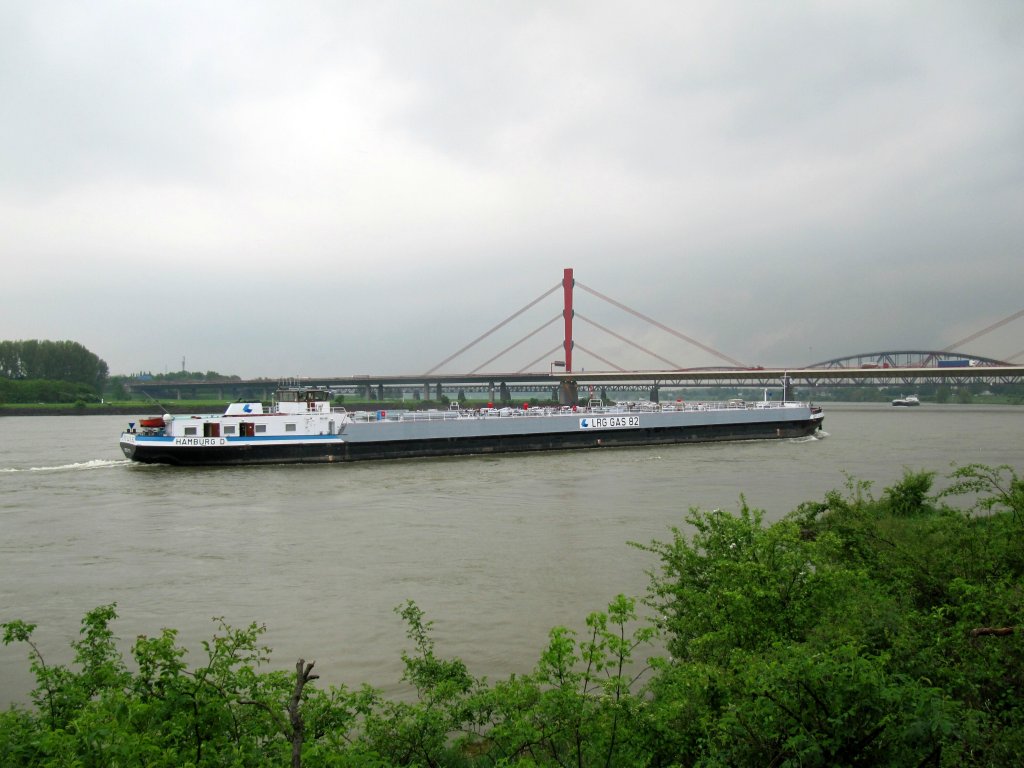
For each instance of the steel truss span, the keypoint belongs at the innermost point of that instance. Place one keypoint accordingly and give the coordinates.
(908, 358)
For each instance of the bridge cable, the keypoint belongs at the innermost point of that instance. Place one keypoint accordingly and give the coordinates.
(547, 354)
(503, 323)
(532, 333)
(583, 349)
(628, 341)
(662, 326)
(983, 331)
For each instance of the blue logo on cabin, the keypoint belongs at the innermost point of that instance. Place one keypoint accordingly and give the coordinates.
(247, 408)
(583, 423)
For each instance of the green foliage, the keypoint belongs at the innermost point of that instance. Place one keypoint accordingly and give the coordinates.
(802, 706)
(998, 488)
(176, 376)
(856, 631)
(880, 632)
(909, 497)
(36, 391)
(66, 361)
(116, 389)
(223, 712)
(736, 585)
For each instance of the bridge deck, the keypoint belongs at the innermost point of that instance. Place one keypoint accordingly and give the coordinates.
(753, 377)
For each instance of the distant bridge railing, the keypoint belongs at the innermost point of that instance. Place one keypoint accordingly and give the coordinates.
(430, 387)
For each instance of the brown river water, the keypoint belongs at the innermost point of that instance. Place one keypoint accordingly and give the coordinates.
(495, 550)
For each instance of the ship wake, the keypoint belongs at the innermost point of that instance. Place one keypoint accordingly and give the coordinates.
(77, 466)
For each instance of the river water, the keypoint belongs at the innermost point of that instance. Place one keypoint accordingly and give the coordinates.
(495, 550)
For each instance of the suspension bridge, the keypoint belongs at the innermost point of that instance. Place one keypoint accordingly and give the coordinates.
(882, 368)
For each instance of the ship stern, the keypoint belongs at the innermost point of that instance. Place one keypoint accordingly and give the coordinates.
(128, 445)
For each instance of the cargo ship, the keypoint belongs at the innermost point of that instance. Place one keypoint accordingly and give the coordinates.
(302, 426)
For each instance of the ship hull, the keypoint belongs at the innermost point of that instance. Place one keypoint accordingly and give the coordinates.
(370, 442)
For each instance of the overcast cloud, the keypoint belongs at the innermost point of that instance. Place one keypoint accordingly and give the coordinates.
(291, 189)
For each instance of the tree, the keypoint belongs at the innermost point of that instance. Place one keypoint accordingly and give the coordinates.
(53, 361)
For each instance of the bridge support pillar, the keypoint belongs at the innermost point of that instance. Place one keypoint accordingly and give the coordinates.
(504, 394)
(490, 392)
(568, 392)
(654, 394)
(440, 391)
(426, 390)
(380, 393)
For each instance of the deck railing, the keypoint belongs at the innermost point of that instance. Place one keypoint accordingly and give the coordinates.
(547, 411)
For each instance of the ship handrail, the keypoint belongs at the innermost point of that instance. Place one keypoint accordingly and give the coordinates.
(548, 411)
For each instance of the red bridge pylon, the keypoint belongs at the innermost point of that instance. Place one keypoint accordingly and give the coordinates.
(568, 284)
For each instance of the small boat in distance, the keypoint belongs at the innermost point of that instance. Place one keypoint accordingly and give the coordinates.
(302, 426)
(906, 400)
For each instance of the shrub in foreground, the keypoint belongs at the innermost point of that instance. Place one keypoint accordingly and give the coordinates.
(857, 631)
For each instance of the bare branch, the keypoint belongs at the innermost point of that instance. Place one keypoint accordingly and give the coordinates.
(995, 631)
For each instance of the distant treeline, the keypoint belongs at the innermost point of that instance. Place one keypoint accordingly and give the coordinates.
(182, 376)
(49, 371)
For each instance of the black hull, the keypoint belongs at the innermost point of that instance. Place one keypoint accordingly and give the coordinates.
(328, 452)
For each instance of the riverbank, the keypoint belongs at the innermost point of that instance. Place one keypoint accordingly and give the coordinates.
(100, 410)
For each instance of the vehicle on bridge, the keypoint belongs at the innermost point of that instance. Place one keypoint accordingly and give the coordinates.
(301, 426)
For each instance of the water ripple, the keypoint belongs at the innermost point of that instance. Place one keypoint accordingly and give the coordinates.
(80, 465)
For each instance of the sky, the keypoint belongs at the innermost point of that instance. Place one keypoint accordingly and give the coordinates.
(345, 188)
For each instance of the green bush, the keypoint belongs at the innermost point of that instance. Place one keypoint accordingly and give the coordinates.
(909, 497)
(854, 632)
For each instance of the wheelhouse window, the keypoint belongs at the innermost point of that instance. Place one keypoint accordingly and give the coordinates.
(229, 429)
(191, 430)
(261, 428)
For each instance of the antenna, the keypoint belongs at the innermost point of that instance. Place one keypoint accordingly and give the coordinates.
(159, 405)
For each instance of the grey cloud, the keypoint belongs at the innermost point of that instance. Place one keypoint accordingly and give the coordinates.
(778, 180)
